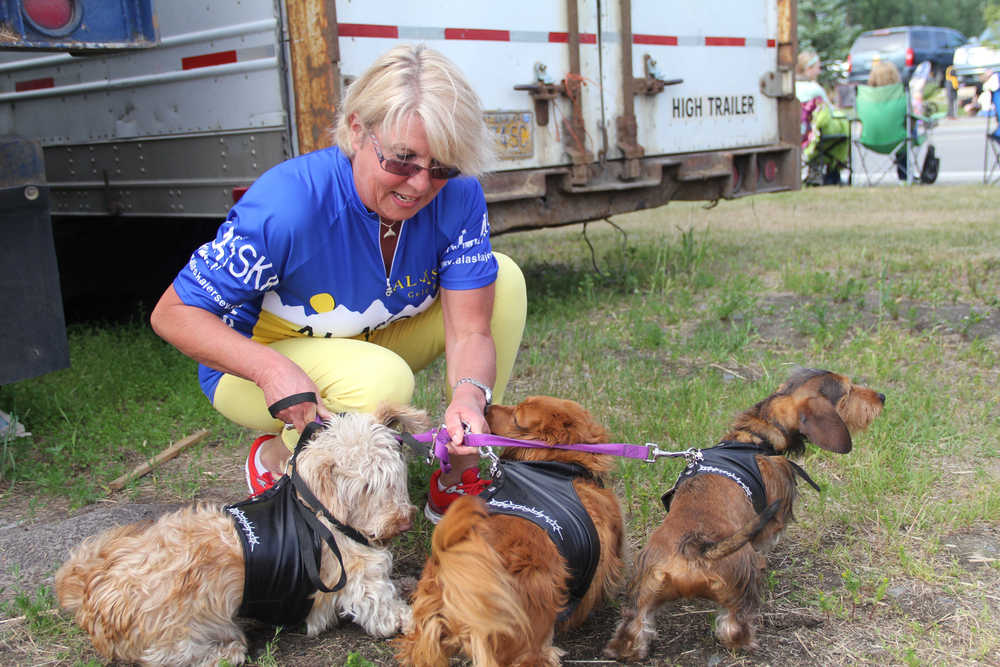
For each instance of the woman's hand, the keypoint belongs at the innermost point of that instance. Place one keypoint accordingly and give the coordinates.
(285, 378)
(466, 409)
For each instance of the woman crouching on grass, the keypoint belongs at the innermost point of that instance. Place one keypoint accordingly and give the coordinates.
(342, 272)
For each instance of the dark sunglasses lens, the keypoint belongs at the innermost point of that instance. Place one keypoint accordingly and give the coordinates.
(400, 167)
(444, 172)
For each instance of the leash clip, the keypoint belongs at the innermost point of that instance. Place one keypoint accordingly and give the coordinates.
(691, 455)
(431, 455)
(487, 451)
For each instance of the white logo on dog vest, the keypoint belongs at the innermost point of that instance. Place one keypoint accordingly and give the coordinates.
(246, 525)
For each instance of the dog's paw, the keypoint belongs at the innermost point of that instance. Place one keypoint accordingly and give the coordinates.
(404, 617)
(390, 619)
(632, 637)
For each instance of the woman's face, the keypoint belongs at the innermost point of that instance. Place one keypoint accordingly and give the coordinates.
(393, 197)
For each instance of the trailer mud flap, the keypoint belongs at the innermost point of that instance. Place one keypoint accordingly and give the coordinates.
(32, 325)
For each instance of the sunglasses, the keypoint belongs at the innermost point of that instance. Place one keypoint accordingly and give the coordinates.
(408, 169)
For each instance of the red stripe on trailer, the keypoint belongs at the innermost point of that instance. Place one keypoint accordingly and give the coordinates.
(34, 84)
(367, 30)
(725, 41)
(208, 60)
(563, 37)
(661, 40)
(493, 35)
(477, 34)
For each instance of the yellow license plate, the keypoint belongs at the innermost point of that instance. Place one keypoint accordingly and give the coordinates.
(513, 133)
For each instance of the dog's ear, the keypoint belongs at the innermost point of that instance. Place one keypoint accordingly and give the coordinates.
(566, 424)
(820, 423)
(402, 417)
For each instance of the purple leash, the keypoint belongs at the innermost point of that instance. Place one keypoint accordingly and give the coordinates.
(648, 452)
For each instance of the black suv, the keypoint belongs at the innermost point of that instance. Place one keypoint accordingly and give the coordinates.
(906, 47)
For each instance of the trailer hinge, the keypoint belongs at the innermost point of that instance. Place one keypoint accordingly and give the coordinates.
(542, 92)
(653, 83)
(778, 84)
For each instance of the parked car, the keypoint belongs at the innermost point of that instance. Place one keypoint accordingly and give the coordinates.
(976, 56)
(906, 47)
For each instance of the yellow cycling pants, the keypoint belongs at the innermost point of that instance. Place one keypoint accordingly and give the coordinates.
(355, 375)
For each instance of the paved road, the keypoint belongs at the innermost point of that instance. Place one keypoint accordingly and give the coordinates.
(959, 144)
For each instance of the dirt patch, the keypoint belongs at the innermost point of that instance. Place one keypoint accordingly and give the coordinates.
(788, 315)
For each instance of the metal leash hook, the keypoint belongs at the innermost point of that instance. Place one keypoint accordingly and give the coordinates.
(432, 450)
(487, 452)
(691, 455)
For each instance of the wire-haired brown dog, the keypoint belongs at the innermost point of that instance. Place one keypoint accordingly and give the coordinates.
(719, 524)
(167, 592)
(496, 586)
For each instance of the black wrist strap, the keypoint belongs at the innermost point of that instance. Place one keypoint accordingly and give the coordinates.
(289, 401)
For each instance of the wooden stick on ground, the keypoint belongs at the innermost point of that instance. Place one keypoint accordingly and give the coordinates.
(167, 454)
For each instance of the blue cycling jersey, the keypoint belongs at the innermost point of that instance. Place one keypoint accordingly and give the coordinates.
(299, 255)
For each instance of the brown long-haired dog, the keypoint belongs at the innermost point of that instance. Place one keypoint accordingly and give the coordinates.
(711, 543)
(495, 586)
(167, 592)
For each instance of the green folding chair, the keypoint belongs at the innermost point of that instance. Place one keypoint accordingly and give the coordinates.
(889, 129)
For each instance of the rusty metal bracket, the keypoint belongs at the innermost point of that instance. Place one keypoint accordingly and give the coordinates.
(628, 132)
(543, 91)
(542, 94)
(653, 83)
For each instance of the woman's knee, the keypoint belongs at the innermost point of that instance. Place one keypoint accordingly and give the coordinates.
(510, 299)
(380, 376)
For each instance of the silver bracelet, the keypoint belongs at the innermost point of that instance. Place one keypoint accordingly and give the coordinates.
(477, 383)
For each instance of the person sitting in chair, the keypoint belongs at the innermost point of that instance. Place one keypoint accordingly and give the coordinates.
(819, 123)
(885, 73)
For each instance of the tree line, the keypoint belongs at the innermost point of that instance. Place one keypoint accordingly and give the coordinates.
(828, 27)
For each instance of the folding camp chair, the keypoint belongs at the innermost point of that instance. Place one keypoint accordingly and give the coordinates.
(889, 129)
(991, 168)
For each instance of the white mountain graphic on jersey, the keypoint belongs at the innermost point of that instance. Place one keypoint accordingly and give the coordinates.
(341, 322)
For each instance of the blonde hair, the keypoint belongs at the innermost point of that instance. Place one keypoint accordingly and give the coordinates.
(806, 60)
(413, 80)
(883, 73)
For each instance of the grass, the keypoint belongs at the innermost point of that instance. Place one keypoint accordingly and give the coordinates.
(125, 397)
(666, 324)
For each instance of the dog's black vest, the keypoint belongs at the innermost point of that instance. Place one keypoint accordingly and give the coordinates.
(282, 543)
(277, 588)
(543, 493)
(733, 460)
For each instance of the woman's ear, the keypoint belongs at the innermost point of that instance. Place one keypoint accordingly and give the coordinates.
(357, 132)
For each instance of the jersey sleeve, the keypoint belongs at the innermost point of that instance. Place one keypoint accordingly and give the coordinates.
(249, 252)
(467, 261)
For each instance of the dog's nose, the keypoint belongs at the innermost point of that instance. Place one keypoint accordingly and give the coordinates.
(881, 397)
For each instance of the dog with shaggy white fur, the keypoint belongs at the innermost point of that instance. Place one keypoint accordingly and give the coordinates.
(166, 592)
